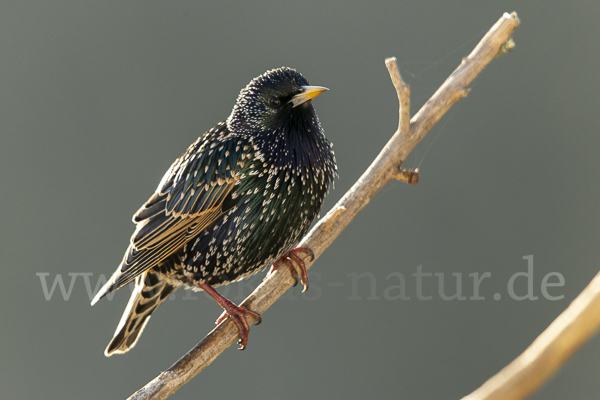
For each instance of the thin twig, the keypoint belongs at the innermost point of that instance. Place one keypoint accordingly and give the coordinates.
(383, 169)
(403, 91)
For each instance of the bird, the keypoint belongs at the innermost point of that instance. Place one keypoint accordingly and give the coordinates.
(239, 199)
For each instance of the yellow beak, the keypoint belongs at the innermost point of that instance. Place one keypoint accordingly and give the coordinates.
(308, 93)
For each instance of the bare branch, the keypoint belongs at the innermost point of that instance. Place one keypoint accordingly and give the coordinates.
(567, 333)
(383, 169)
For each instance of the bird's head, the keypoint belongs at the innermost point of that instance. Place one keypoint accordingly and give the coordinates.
(273, 101)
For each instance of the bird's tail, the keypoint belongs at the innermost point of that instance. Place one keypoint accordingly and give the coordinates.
(150, 291)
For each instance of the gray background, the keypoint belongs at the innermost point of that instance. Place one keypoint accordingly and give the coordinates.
(98, 98)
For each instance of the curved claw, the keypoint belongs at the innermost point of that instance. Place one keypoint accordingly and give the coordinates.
(305, 250)
(294, 262)
(293, 271)
(284, 260)
(300, 264)
(236, 313)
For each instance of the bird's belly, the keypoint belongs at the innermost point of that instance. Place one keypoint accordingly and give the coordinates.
(263, 226)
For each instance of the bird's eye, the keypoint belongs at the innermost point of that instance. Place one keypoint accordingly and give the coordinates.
(274, 102)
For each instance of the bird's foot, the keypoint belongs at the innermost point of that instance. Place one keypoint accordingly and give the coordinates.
(294, 262)
(236, 313)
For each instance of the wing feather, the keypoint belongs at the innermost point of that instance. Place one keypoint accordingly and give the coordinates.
(189, 199)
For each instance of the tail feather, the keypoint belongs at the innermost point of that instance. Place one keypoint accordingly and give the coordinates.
(150, 291)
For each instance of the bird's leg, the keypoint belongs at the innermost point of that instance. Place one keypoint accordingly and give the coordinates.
(236, 313)
(292, 260)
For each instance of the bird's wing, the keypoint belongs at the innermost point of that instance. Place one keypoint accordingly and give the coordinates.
(194, 193)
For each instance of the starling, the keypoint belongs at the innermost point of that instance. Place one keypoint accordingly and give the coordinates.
(239, 199)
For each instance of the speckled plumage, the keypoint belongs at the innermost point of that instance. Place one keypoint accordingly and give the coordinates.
(238, 199)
